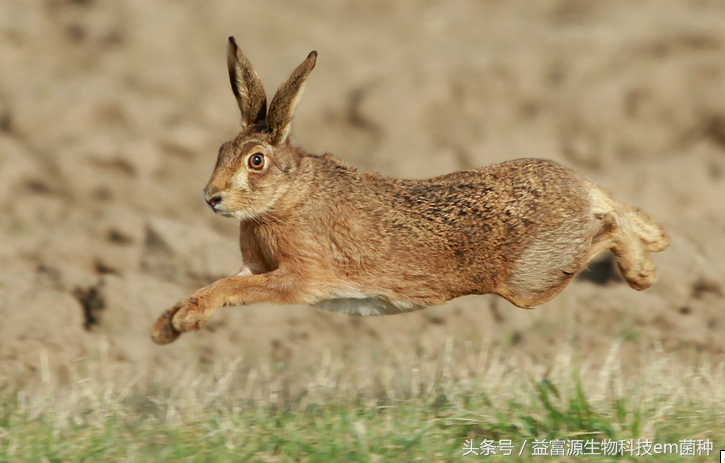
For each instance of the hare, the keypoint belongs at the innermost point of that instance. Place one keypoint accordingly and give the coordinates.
(314, 230)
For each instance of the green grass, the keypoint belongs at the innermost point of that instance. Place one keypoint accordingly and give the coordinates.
(401, 415)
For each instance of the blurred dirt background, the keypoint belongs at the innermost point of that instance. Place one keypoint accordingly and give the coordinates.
(111, 114)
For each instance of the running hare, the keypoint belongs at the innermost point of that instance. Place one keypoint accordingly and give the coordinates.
(314, 230)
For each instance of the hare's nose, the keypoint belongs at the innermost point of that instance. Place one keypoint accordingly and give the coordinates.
(213, 201)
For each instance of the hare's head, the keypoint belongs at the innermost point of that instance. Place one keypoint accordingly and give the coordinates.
(253, 171)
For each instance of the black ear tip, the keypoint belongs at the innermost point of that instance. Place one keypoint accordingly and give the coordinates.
(232, 41)
(313, 53)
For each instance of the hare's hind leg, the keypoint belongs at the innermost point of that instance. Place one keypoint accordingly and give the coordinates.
(630, 234)
(629, 250)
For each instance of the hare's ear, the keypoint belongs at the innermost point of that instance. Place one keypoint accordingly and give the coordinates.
(285, 101)
(246, 85)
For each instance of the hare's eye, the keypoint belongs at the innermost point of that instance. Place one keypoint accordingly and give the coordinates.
(256, 161)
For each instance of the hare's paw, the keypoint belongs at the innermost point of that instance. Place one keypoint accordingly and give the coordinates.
(188, 315)
(191, 315)
(643, 276)
(163, 331)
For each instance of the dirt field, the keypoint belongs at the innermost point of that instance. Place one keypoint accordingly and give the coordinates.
(111, 114)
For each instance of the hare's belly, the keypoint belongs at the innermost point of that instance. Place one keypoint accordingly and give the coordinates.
(364, 306)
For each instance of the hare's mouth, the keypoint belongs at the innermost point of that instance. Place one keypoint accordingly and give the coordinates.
(224, 213)
(221, 210)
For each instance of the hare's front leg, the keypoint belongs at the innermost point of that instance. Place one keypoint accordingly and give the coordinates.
(192, 313)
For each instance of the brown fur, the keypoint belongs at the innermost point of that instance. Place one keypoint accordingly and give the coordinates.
(315, 230)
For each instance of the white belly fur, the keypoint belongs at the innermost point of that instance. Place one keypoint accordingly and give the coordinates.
(364, 307)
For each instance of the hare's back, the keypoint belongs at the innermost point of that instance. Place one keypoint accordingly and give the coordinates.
(505, 202)
(528, 203)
